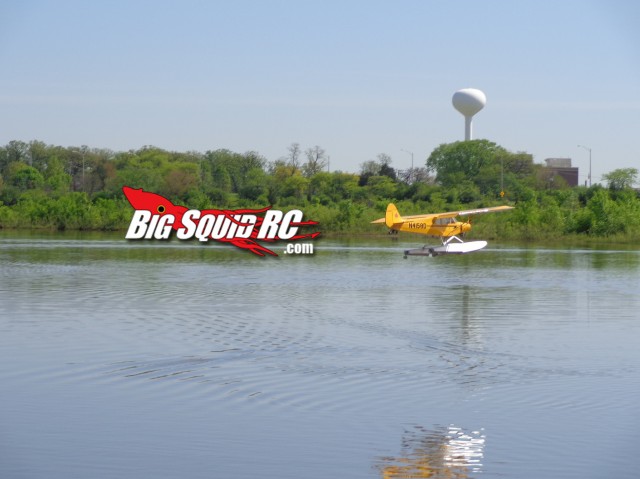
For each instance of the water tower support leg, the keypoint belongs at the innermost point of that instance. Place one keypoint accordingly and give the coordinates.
(467, 128)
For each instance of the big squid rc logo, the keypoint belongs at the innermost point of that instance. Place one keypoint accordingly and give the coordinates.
(156, 217)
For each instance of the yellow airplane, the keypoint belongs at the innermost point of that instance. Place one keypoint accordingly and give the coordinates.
(440, 225)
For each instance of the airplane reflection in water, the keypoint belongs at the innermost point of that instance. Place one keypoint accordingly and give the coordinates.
(450, 453)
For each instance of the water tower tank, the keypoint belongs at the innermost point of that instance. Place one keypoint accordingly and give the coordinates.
(468, 101)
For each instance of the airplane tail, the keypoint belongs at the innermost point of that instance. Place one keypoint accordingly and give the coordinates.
(393, 218)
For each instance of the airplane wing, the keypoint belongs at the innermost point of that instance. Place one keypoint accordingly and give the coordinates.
(493, 209)
(451, 214)
(410, 217)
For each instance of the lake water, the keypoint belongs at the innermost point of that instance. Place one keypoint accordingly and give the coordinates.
(176, 359)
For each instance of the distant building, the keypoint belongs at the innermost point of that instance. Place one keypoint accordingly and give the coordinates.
(562, 167)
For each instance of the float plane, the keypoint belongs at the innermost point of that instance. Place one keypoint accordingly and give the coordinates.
(439, 225)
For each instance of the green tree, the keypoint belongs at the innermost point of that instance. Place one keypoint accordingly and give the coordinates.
(348, 213)
(489, 166)
(254, 185)
(24, 177)
(382, 186)
(320, 188)
(179, 179)
(14, 151)
(38, 154)
(468, 192)
(621, 178)
(454, 162)
(228, 168)
(56, 179)
(102, 171)
(606, 220)
(135, 172)
(296, 186)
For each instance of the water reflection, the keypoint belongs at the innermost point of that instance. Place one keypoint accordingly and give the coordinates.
(469, 334)
(449, 452)
(183, 360)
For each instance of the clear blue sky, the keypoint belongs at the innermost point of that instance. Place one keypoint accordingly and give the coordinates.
(358, 78)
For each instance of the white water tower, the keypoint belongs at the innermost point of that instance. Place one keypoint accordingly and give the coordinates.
(468, 101)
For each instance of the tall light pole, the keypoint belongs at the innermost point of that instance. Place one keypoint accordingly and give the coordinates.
(411, 171)
(589, 150)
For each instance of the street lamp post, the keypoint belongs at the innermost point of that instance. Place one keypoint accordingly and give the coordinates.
(411, 171)
(589, 150)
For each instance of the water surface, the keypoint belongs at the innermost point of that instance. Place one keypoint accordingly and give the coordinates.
(156, 359)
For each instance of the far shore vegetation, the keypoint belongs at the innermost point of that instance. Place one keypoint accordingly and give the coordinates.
(80, 188)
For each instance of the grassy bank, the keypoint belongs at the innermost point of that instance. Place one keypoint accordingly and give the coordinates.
(526, 223)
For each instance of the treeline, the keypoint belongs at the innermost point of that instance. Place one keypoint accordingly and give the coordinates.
(46, 186)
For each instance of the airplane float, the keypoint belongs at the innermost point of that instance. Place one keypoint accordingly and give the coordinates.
(439, 225)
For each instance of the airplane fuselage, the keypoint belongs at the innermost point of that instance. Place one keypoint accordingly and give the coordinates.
(429, 228)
